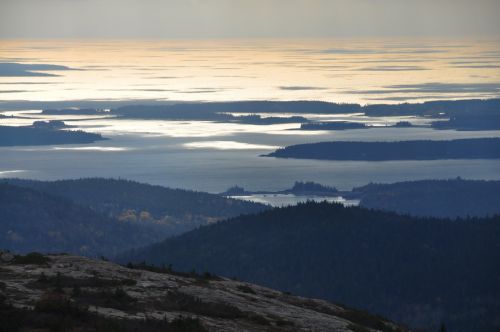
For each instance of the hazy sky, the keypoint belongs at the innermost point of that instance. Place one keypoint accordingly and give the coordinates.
(246, 18)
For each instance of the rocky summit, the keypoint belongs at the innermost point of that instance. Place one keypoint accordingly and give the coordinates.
(71, 293)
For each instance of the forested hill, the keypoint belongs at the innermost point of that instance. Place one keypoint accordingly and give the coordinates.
(101, 216)
(439, 198)
(422, 272)
(31, 220)
(116, 196)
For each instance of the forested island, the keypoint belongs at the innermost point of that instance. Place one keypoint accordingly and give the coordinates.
(74, 111)
(450, 198)
(473, 148)
(198, 112)
(458, 115)
(346, 125)
(333, 125)
(442, 109)
(298, 188)
(45, 133)
(470, 121)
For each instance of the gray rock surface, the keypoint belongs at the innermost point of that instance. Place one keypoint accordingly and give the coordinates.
(258, 308)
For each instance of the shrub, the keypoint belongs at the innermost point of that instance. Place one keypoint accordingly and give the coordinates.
(34, 258)
(245, 289)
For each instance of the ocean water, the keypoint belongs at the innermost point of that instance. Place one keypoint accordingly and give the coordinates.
(281, 200)
(338, 70)
(210, 156)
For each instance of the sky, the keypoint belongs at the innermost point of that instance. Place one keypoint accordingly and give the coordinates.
(199, 19)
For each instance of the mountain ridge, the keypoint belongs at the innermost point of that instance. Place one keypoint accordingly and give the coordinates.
(420, 271)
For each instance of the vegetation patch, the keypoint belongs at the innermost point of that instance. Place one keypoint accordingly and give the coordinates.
(178, 301)
(56, 312)
(362, 318)
(33, 258)
(167, 269)
(357, 328)
(116, 299)
(61, 281)
(245, 289)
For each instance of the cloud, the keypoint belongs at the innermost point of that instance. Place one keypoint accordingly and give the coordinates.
(434, 88)
(447, 87)
(301, 88)
(27, 83)
(405, 98)
(396, 50)
(393, 68)
(14, 91)
(13, 69)
(201, 91)
(142, 90)
(478, 66)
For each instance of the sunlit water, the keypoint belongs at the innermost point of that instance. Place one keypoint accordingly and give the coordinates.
(211, 156)
(290, 199)
(360, 71)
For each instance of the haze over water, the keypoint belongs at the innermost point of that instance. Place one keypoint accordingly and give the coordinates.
(362, 71)
(212, 156)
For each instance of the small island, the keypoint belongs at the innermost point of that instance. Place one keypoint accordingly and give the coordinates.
(333, 125)
(50, 125)
(299, 188)
(474, 148)
(402, 124)
(470, 122)
(347, 125)
(74, 111)
(181, 112)
(45, 133)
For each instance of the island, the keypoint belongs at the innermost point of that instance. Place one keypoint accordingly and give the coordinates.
(447, 198)
(333, 125)
(450, 114)
(474, 148)
(299, 188)
(50, 125)
(470, 122)
(181, 112)
(347, 125)
(45, 133)
(74, 111)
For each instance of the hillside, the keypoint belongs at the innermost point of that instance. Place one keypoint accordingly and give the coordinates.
(422, 272)
(68, 293)
(176, 210)
(33, 220)
(101, 216)
(438, 198)
(112, 196)
(450, 198)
